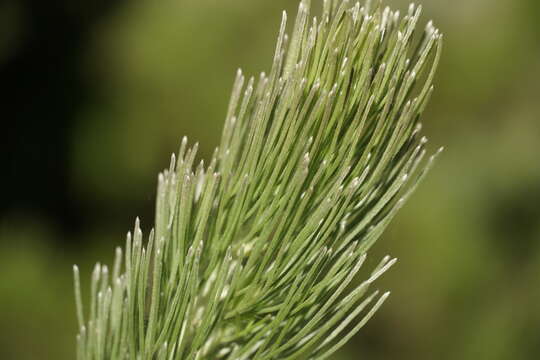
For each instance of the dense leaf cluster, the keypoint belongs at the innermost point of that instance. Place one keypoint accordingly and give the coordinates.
(253, 256)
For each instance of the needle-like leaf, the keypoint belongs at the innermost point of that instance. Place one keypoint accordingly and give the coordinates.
(252, 256)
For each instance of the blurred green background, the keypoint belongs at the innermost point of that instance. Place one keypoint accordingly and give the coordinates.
(97, 94)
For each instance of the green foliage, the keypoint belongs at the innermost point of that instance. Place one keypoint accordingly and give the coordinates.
(252, 256)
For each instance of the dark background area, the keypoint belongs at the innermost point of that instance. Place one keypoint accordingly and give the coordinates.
(97, 94)
(44, 88)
